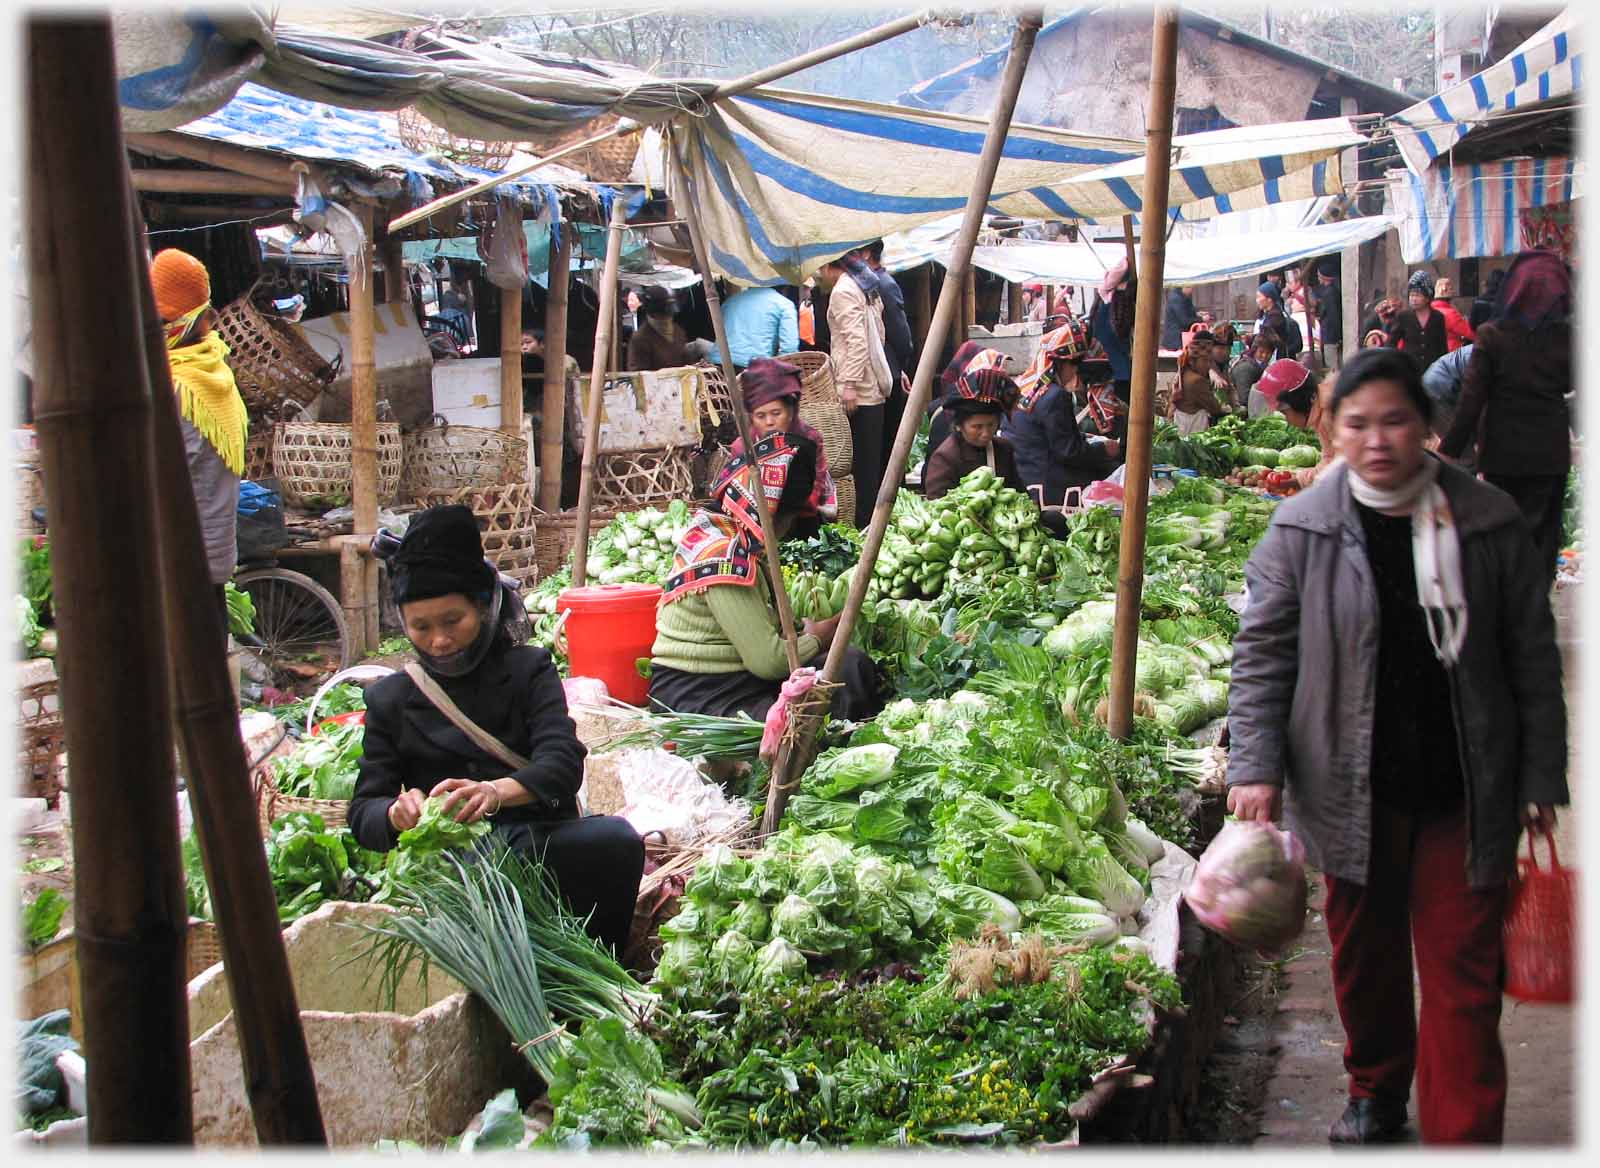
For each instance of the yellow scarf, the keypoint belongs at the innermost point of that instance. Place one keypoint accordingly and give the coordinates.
(209, 397)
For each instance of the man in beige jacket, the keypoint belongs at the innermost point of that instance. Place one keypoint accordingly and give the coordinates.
(860, 369)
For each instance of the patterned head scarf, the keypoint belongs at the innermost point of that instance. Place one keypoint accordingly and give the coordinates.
(983, 391)
(1065, 342)
(1538, 288)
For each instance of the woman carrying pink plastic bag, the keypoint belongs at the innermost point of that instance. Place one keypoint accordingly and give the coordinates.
(1396, 691)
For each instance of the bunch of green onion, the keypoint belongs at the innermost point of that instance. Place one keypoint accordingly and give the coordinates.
(695, 735)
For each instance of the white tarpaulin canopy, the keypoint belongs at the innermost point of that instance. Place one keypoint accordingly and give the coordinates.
(787, 181)
(1188, 261)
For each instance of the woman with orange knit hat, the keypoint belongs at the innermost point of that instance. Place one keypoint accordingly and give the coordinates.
(213, 418)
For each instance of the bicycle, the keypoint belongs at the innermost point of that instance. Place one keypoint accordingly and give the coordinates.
(297, 619)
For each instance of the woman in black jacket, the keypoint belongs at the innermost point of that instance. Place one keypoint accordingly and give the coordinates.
(1052, 452)
(451, 601)
(1418, 330)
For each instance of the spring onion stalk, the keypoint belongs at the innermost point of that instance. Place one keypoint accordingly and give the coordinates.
(695, 735)
(493, 925)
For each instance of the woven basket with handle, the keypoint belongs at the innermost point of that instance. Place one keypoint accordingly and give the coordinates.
(271, 363)
(610, 161)
(506, 519)
(846, 489)
(442, 457)
(272, 804)
(311, 461)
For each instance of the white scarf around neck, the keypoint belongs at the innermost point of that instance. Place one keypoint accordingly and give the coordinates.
(1435, 552)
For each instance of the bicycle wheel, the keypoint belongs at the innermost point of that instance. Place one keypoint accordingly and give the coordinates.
(297, 619)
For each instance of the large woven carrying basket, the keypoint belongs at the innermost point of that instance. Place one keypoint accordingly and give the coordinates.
(271, 364)
(816, 374)
(272, 804)
(448, 458)
(311, 461)
(426, 137)
(610, 161)
(505, 514)
(625, 480)
(820, 409)
(846, 490)
(558, 534)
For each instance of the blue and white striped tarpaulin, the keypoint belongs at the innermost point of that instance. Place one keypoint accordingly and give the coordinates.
(787, 181)
(1450, 212)
(1547, 65)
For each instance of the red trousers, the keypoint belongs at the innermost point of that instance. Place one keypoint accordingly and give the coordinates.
(1417, 899)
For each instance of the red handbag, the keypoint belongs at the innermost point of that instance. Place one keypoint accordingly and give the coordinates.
(1541, 930)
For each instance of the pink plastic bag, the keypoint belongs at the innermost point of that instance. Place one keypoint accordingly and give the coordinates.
(1102, 492)
(778, 713)
(1250, 885)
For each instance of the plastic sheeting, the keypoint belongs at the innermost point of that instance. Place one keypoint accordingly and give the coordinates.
(1449, 212)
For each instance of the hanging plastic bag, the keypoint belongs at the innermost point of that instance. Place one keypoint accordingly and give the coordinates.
(1540, 930)
(1250, 885)
(504, 248)
(315, 212)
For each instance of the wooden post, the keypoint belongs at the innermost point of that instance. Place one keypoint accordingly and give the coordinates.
(511, 353)
(553, 422)
(208, 182)
(1127, 242)
(605, 323)
(1013, 302)
(741, 417)
(272, 1045)
(1028, 23)
(364, 420)
(92, 409)
(1146, 337)
(921, 297)
(1350, 257)
(969, 302)
(391, 252)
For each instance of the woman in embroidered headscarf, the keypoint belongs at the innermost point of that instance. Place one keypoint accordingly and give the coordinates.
(469, 633)
(969, 358)
(771, 391)
(1052, 451)
(979, 404)
(213, 417)
(1517, 385)
(1396, 691)
(718, 649)
(1194, 399)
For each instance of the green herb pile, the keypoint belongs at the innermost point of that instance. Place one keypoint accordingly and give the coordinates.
(1265, 442)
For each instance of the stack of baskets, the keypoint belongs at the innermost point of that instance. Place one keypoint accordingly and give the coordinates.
(820, 409)
(442, 457)
(506, 518)
(626, 480)
(311, 461)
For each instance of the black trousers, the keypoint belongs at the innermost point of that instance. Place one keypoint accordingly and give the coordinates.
(1540, 497)
(597, 862)
(893, 410)
(726, 695)
(866, 443)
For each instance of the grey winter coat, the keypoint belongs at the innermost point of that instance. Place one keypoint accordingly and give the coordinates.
(1305, 674)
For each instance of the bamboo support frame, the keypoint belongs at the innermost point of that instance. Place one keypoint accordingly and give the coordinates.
(969, 304)
(552, 425)
(128, 901)
(218, 154)
(627, 125)
(741, 417)
(604, 324)
(1146, 337)
(1128, 243)
(208, 182)
(272, 1047)
(1029, 21)
(511, 356)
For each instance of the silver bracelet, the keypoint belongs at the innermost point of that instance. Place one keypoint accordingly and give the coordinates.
(497, 799)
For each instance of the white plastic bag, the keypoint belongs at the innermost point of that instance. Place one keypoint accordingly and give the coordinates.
(1250, 885)
(506, 251)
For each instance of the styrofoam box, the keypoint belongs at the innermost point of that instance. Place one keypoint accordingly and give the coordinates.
(465, 384)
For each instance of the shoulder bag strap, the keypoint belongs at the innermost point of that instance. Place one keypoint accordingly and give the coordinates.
(480, 737)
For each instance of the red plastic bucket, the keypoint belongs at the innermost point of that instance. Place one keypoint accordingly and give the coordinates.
(609, 628)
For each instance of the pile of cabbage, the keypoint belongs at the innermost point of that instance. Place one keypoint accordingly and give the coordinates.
(928, 830)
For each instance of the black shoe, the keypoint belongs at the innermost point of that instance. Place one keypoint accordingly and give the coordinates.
(1369, 1121)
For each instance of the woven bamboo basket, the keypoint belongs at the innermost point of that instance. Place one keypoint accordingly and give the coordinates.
(625, 480)
(271, 364)
(272, 804)
(610, 161)
(846, 489)
(829, 419)
(426, 137)
(816, 374)
(558, 533)
(311, 461)
(506, 518)
(41, 737)
(205, 946)
(258, 451)
(448, 458)
(30, 491)
(718, 397)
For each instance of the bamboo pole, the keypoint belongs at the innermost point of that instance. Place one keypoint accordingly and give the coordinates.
(363, 389)
(128, 901)
(1146, 336)
(1028, 24)
(1013, 302)
(511, 356)
(741, 417)
(553, 422)
(604, 323)
(208, 182)
(1127, 242)
(969, 303)
(391, 253)
(922, 305)
(219, 154)
(627, 125)
(275, 1061)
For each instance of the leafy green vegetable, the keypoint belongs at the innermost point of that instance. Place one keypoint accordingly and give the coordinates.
(966, 908)
(323, 766)
(307, 863)
(33, 558)
(610, 1090)
(842, 771)
(29, 631)
(41, 917)
(241, 611)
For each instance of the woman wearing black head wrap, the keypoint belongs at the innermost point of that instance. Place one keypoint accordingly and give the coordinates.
(464, 625)
(1514, 395)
